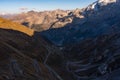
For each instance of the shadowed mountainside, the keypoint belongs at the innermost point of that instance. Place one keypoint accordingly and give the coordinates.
(24, 56)
(21, 57)
(91, 49)
(96, 23)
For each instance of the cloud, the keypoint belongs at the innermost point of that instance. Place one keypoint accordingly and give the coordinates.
(23, 8)
(34, 8)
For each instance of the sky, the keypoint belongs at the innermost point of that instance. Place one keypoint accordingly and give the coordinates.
(17, 6)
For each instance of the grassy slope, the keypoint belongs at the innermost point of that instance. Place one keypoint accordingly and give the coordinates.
(7, 24)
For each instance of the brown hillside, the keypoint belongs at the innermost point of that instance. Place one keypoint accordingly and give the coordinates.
(7, 24)
(24, 56)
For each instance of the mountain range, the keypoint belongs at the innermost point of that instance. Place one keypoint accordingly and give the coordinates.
(64, 27)
(80, 44)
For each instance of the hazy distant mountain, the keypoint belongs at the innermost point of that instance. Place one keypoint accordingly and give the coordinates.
(7, 15)
(47, 19)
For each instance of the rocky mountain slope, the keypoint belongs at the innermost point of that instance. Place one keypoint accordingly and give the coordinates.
(47, 19)
(94, 23)
(91, 49)
(95, 58)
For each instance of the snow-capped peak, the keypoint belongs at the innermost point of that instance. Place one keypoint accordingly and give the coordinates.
(105, 2)
(95, 6)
